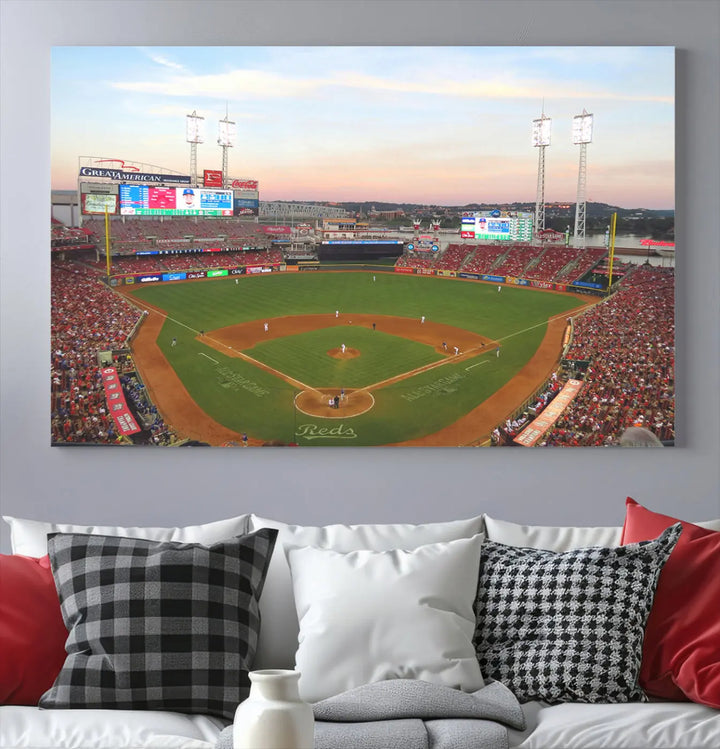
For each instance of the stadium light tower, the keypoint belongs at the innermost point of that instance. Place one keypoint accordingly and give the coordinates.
(226, 139)
(582, 127)
(194, 134)
(540, 140)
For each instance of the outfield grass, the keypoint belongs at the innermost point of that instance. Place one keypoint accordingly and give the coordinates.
(247, 399)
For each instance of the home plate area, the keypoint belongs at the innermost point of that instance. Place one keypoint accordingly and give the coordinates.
(317, 403)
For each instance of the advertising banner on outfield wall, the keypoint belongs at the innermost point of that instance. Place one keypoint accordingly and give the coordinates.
(553, 411)
(587, 285)
(494, 279)
(447, 273)
(117, 405)
(403, 269)
(474, 276)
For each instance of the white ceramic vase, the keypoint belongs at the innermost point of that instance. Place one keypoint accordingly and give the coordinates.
(274, 716)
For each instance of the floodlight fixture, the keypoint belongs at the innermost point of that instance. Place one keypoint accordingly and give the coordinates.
(582, 127)
(541, 131)
(226, 133)
(194, 128)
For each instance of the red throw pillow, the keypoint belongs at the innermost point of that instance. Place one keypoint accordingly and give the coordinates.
(32, 633)
(681, 652)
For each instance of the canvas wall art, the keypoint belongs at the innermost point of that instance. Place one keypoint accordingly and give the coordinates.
(362, 246)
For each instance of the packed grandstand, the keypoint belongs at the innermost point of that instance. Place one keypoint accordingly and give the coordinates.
(622, 348)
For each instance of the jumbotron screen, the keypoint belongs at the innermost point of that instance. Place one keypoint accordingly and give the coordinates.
(508, 226)
(143, 200)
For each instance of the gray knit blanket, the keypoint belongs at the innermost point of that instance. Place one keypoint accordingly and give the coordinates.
(412, 714)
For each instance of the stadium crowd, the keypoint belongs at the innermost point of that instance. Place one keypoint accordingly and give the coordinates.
(87, 318)
(628, 342)
(550, 263)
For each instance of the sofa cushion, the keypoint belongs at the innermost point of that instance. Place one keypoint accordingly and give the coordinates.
(29, 537)
(559, 537)
(157, 625)
(662, 725)
(32, 633)
(681, 653)
(567, 626)
(32, 728)
(279, 627)
(552, 538)
(648, 725)
(368, 616)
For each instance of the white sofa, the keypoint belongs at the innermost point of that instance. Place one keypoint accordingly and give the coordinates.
(638, 725)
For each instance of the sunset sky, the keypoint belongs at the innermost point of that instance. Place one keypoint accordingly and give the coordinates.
(435, 125)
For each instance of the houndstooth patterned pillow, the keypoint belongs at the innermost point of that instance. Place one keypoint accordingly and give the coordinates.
(568, 627)
(158, 625)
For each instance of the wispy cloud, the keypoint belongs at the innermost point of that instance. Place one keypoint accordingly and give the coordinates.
(258, 84)
(236, 84)
(162, 60)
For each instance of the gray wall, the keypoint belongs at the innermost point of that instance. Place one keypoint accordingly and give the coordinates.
(581, 486)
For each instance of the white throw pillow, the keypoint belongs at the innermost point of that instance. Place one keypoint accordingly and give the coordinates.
(560, 538)
(279, 625)
(29, 537)
(368, 616)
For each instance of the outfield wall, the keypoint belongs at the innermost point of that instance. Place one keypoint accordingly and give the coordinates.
(129, 279)
(580, 287)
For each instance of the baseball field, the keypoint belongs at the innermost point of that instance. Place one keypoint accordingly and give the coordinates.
(265, 355)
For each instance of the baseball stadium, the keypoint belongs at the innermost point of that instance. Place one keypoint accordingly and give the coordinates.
(187, 311)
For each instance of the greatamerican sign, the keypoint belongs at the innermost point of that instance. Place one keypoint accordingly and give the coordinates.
(122, 176)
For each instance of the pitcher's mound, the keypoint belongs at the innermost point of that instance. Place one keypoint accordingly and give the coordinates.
(316, 403)
(350, 353)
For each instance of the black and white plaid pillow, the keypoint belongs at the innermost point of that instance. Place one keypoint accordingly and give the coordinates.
(568, 627)
(158, 625)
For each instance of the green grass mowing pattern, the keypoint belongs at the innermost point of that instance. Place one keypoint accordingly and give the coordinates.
(427, 402)
(473, 306)
(304, 356)
(232, 391)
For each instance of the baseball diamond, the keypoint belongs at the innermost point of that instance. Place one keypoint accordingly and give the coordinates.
(264, 356)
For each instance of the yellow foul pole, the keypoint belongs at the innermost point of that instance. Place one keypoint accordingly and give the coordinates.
(613, 223)
(107, 242)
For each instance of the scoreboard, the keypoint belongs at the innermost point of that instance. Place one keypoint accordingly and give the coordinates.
(143, 200)
(508, 226)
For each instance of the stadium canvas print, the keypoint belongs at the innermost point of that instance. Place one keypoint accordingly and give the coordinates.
(362, 246)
